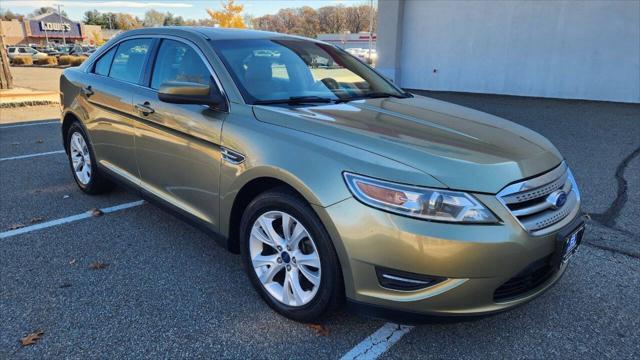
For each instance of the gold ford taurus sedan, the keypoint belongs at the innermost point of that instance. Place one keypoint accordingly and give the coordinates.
(331, 182)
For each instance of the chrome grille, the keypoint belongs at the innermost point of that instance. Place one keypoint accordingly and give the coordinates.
(533, 202)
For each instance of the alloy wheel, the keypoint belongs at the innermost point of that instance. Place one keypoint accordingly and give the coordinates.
(285, 258)
(80, 158)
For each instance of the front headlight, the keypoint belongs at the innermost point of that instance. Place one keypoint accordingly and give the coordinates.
(419, 202)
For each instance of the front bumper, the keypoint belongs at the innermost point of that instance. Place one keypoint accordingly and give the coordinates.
(475, 260)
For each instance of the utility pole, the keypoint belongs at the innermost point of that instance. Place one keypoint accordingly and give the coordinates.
(64, 41)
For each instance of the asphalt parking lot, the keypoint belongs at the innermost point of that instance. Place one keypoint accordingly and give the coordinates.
(169, 291)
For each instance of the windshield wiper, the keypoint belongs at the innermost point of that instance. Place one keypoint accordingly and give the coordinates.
(295, 100)
(373, 95)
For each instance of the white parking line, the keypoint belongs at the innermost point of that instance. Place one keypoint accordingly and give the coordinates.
(84, 215)
(377, 343)
(31, 124)
(32, 155)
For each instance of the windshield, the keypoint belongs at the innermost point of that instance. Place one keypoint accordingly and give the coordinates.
(268, 70)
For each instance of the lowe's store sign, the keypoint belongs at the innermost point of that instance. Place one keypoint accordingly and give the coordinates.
(54, 26)
(49, 26)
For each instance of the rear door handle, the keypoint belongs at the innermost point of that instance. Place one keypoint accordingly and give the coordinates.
(145, 108)
(87, 91)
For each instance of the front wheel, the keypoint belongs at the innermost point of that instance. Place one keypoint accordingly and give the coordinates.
(289, 257)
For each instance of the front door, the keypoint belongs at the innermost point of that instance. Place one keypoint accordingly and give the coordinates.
(178, 145)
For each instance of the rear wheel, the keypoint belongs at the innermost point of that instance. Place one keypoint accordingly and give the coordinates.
(83, 163)
(289, 257)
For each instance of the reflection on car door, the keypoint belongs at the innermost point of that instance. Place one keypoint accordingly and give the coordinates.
(109, 90)
(177, 145)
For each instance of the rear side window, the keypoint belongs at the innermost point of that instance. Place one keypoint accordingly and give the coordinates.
(104, 63)
(129, 59)
(12, 50)
(177, 61)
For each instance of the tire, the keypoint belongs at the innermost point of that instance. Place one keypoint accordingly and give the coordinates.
(92, 181)
(312, 302)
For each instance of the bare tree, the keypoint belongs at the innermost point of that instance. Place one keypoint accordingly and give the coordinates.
(332, 18)
(357, 18)
(290, 19)
(6, 80)
(153, 18)
(310, 22)
(269, 23)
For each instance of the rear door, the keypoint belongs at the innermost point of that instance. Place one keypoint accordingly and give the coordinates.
(178, 145)
(109, 90)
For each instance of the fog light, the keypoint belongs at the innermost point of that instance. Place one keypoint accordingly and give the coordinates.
(405, 281)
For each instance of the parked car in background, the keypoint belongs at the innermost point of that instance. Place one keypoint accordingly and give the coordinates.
(64, 49)
(370, 57)
(49, 50)
(15, 51)
(329, 180)
(81, 50)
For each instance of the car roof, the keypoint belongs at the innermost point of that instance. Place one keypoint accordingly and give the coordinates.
(212, 33)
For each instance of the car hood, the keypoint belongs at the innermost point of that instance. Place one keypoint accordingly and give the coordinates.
(463, 148)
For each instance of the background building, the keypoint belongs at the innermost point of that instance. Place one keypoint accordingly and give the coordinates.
(348, 40)
(561, 49)
(49, 27)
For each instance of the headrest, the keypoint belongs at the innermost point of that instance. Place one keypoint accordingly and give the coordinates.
(258, 69)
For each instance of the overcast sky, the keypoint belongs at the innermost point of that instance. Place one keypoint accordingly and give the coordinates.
(189, 9)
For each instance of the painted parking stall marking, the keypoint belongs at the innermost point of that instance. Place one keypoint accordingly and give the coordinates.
(51, 122)
(68, 219)
(378, 343)
(32, 155)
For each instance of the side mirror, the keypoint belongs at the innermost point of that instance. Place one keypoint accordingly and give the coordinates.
(179, 92)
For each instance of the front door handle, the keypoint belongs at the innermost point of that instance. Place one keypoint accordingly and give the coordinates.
(87, 91)
(145, 108)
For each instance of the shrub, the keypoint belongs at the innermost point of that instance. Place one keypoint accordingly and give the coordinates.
(23, 60)
(77, 60)
(64, 60)
(49, 60)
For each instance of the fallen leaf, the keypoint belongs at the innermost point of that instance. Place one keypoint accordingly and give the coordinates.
(320, 330)
(98, 265)
(96, 212)
(36, 219)
(39, 141)
(31, 338)
(15, 226)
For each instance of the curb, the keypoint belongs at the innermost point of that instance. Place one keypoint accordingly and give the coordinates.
(25, 103)
(42, 66)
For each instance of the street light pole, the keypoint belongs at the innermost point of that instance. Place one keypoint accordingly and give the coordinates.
(370, 31)
(64, 41)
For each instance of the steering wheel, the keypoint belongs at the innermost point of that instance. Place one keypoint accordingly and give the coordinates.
(331, 83)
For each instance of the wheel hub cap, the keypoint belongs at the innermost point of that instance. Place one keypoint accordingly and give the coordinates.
(290, 276)
(80, 158)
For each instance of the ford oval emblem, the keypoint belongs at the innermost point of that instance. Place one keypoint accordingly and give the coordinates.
(557, 199)
(561, 199)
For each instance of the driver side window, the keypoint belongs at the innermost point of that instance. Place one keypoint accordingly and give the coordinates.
(177, 61)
